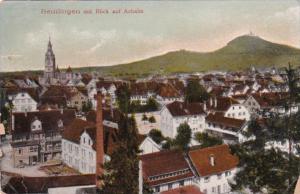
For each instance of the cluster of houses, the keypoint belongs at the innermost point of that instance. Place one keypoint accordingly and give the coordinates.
(54, 118)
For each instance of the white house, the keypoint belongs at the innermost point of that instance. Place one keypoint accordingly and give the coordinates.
(168, 94)
(229, 107)
(210, 169)
(176, 113)
(78, 146)
(215, 167)
(229, 129)
(165, 170)
(23, 102)
(149, 146)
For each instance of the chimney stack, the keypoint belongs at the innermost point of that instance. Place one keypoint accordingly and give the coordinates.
(212, 160)
(99, 142)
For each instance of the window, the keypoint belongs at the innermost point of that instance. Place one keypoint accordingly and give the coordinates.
(219, 189)
(206, 179)
(228, 173)
(213, 189)
(170, 186)
(181, 183)
(20, 151)
(157, 189)
(205, 191)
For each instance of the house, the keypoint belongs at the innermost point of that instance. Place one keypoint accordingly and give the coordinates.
(259, 103)
(166, 170)
(168, 94)
(79, 145)
(64, 96)
(107, 88)
(215, 167)
(48, 185)
(78, 99)
(176, 113)
(36, 136)
(190, 189)
(149, 146)
(141, 92)
(230, 130)
(23, 101)
(229, 107)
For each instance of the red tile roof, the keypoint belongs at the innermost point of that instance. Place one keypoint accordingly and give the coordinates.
(190, 189)
(235, 124)
(183, 109)
(165, 162)
(223, 103)
(168, 91)
(73, 132)
(159, 162)
(48, 118)
(42, 184)
(224, 160)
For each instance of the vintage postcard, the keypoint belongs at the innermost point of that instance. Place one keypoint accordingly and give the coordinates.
(149, 97)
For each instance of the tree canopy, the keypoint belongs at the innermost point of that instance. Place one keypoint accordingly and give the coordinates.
(183, 137)
(124, 161)
(195, 92)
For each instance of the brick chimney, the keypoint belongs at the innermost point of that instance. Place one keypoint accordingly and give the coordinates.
(99, 142)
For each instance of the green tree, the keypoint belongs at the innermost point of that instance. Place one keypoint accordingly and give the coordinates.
(152, 105)
(123, 98)
(144, 118)
(195, 92)
(266, 171)
(206, 140)
(86, 107)
(124, 161)
(152, 119)
(156, 135)
(183, 137)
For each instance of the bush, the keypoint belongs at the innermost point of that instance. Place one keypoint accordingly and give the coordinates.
(152, 119)
(156, 135)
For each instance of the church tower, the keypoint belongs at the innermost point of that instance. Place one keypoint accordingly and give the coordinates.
(50, 66)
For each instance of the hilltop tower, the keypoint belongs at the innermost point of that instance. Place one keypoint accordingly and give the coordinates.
(50, 66)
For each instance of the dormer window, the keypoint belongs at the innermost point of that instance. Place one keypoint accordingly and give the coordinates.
(60, 123)
(36, 125)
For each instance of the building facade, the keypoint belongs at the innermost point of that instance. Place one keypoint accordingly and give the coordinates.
(36, 136)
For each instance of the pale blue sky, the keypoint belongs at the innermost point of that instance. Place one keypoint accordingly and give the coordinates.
(96, 40)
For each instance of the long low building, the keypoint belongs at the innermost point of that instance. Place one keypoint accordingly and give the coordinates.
(210, 169)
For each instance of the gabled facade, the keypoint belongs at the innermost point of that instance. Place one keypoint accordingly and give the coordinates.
(36, 136)
(176, 113)
(149, 146)
(23, 102)
(215, 167)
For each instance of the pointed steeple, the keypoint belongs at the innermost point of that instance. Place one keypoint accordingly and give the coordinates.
(50, 65)
(49, 50)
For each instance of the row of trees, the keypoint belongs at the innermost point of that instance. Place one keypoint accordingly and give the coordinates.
(272, 170)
